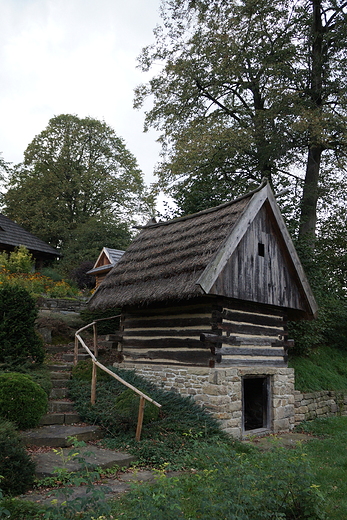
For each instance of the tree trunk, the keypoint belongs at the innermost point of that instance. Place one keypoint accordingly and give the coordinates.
(308, 216)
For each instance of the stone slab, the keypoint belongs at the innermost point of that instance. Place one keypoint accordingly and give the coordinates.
(57, 435)
(47, 462)
(113, 487)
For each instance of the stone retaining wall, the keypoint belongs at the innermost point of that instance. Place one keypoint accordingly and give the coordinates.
(308, 406)
(220, 391)
(61, 305)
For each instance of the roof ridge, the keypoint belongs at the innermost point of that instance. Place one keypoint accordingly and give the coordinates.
(263, 183)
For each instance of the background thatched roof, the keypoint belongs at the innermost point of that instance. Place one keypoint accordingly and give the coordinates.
(165, 260)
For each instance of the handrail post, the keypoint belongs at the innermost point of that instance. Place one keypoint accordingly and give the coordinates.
(75, 357)
(94, 368)
(93, 389)
(95, 339)
(140, 418)
(96, 363)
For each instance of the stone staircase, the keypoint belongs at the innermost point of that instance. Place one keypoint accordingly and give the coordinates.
(62, 422)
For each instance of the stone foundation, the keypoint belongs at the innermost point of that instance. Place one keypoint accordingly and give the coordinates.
(219, 390)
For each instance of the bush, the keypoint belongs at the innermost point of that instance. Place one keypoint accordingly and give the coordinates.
(127, 406)
(83, 371)
(19, 340)
(19, 261)
(22, 509)
(51, 273)
(21, 400)
(104, 327)
(16, 467)
(81, 278)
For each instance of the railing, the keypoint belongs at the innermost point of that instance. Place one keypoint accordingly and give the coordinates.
(96, 363)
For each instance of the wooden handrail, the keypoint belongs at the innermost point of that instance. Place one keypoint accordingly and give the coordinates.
(96, 363)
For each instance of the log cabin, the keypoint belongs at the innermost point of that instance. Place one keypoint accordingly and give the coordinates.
(205, 301)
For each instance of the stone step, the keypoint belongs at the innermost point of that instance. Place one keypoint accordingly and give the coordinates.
(57, 349)
(64, 375)
(107, 345)
(60, 406)
(59, 393)
(57, 436)
(60, 383)
(60, 418)
(63, 367)
(70, 357)
(46, 462)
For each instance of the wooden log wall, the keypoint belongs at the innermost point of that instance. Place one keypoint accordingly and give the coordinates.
(205, 333)
(249, 336)
(168, 334)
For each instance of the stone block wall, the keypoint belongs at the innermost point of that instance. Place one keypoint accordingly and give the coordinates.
(309, 406)
(219, 390)
(60, 305)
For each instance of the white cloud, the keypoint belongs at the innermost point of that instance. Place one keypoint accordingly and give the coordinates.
(73, 56)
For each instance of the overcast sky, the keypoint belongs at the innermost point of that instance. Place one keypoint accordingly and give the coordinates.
(74, 57)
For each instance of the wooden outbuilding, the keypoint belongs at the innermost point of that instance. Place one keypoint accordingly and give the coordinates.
(214, 289)
(106, 260)
(13, 235)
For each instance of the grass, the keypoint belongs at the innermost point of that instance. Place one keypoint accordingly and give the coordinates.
(180, 423)
(324, 368)
(328, 454)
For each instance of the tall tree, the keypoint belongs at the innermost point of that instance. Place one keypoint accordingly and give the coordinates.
(323, 96)
(74, 170)
(247, 88)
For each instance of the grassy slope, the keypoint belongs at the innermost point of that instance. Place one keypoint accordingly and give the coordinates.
(328, 456)
(324, 369)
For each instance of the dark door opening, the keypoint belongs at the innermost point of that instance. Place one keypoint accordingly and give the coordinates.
(255, 403)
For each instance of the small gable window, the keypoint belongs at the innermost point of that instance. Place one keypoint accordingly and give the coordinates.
(261, 249)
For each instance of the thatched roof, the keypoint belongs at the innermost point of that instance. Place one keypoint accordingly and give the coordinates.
(183, 258)
(166, 259)
(12, 235)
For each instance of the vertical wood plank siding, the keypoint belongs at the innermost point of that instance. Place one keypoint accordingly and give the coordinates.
(259, 269)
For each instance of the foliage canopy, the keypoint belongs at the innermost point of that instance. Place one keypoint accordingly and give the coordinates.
(249, 89)
(74, 170)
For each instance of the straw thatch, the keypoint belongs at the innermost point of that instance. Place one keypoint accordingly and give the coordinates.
(166, 259)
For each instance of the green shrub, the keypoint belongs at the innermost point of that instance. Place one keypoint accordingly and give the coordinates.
(104, 327)
(22, 509)
(51, 273)
(16, 467)
(180, 423)
(21, 400)
(19, 340)
(127, 406)
(83, 371)
(19, 261)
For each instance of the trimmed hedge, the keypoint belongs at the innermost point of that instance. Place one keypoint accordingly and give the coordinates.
(21, 400)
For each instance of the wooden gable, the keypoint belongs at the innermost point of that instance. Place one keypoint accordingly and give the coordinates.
(258, 261)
